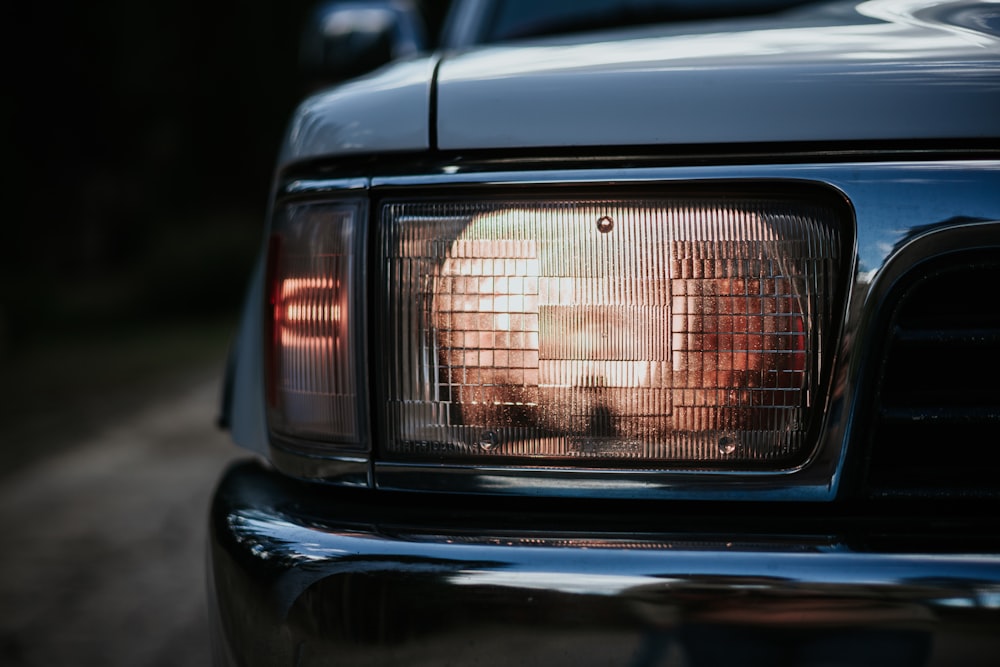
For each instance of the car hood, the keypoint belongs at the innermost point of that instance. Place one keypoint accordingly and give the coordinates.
(881, 70)
(846, 72)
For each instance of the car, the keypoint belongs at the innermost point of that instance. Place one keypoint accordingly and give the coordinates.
(667, 343)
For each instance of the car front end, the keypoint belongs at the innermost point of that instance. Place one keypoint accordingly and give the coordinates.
(666, 346)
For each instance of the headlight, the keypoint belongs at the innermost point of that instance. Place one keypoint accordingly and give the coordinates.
(687, 333)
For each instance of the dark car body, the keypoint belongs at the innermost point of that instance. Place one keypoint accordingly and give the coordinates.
(877, 544)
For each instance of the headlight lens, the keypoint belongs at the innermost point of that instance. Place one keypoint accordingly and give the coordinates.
(684, 332)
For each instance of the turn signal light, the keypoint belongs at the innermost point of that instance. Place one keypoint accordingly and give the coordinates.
(312, 351)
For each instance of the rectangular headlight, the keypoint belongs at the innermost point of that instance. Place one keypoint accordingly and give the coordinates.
(651, 332)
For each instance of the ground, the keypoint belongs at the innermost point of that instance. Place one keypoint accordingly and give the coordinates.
(103, 558)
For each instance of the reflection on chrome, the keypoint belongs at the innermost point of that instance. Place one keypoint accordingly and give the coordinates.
(577, 583)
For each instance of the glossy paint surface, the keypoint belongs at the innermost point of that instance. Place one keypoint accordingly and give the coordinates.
(880, 70)
(395, 585)
(388, 110)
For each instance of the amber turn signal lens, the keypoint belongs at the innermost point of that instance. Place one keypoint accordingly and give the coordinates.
(683, 333)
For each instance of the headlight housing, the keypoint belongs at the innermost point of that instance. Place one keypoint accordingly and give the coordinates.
(665, 339)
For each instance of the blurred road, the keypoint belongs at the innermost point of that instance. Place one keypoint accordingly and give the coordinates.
(102, 560)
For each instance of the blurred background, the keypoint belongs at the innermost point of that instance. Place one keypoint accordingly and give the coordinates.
(143, 137)
(140, 141)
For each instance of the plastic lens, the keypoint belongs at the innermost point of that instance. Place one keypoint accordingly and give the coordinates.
(686, 332)
(312, 370)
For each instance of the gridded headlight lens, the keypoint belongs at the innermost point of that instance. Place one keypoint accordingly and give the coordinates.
(313, 350)
(684, 333)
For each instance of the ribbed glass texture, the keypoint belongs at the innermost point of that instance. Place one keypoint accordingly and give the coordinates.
(312, 380)
(675, 332)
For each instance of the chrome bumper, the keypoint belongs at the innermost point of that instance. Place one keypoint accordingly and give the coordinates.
(301, 576)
